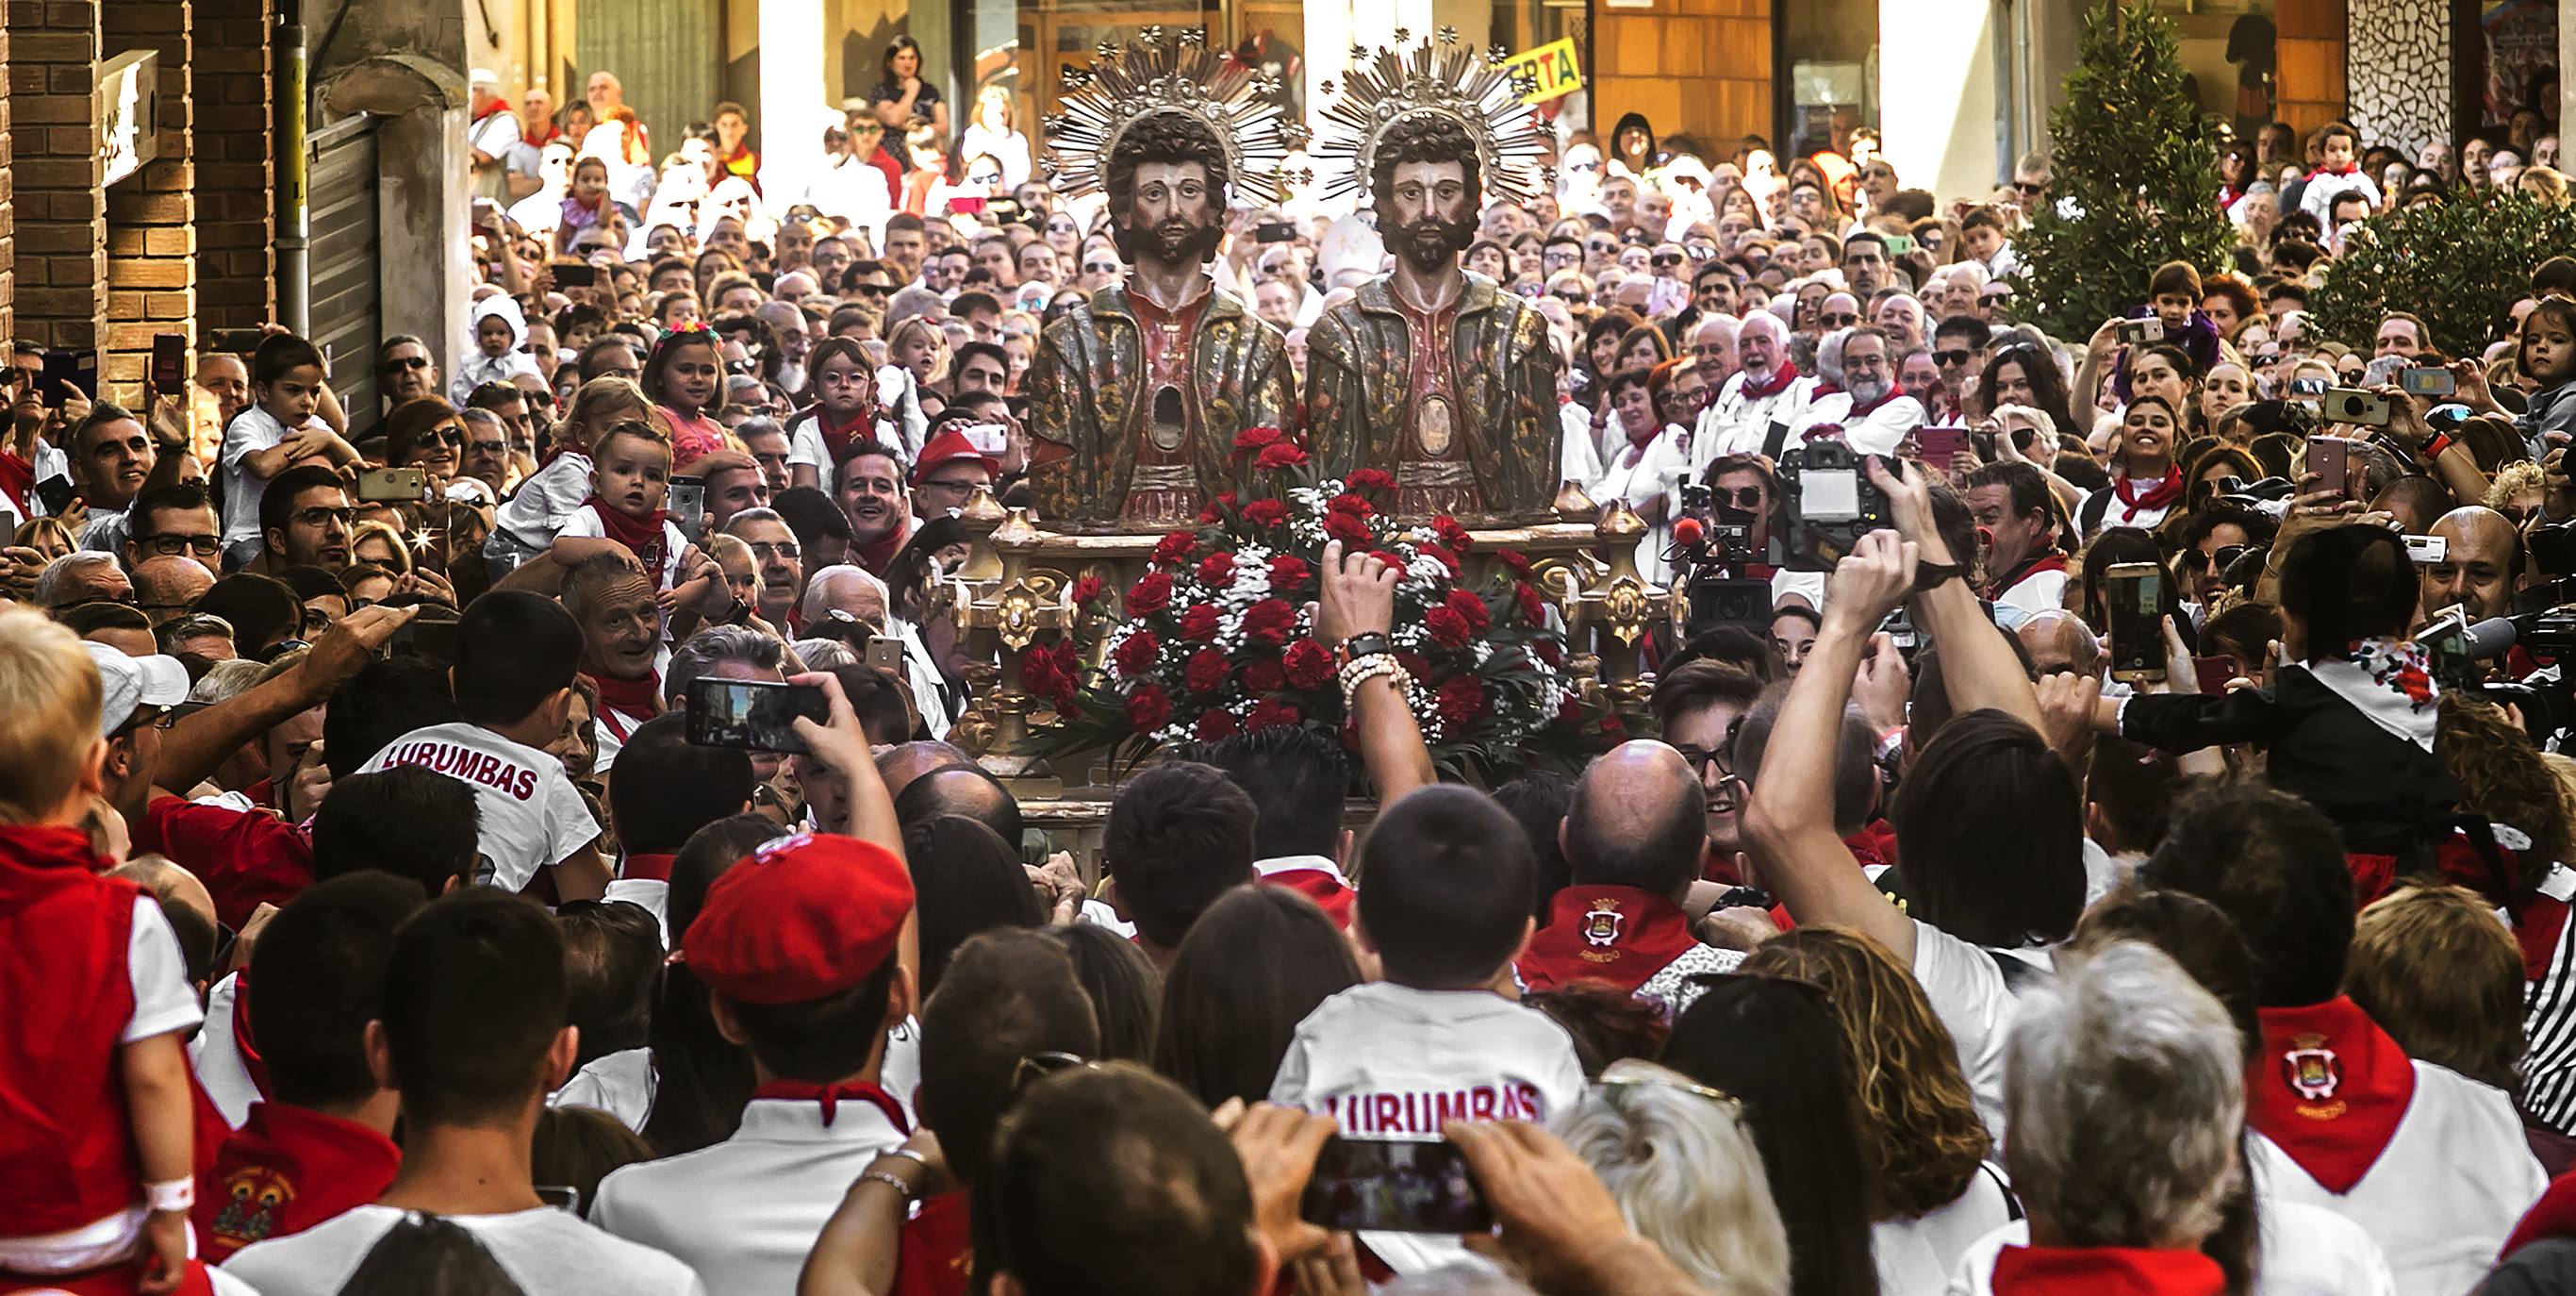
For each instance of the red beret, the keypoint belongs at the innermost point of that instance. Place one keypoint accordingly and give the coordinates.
(805, 917)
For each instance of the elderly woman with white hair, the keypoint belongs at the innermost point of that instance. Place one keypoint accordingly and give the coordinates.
(1681, 1163)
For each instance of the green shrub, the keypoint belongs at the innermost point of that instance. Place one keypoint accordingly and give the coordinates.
(2459, 265)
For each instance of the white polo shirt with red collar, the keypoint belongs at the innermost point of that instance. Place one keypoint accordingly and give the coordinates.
(1316, 877)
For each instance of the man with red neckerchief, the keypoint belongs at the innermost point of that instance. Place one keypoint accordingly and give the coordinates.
(805, 947)
(1633, 836)
(2432, 1164)
(1766, 389)
(1874, 414)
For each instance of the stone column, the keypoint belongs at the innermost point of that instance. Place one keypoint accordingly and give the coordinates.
(151, 215)
(60, 212)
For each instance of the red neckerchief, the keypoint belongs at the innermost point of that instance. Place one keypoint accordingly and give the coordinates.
(2105, 1271)
(838, 437)
(2134, 501)
(48, 846)
(2553, 1216)
(1329, 893)
(285, 1170)
(17, 480)
(876, 554)
(2050, 561)
(1860, 411)
(646, 868)
(832, 1095)
(1782, 375)
(1827, 387)
(1609, 933)
(935, 1253)
(243, 1042)
(1637, 444)
(643, 535)
(634, 697)
(497, 105)
(2329, 1088)
(2344, 170)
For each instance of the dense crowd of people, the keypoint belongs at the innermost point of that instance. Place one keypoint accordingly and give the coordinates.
(1973, 922)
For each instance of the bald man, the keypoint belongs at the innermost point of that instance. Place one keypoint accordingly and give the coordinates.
(844, 588)
(1766, 389)
(2481, 562)
(1633, 837)
(2060, 642)
(165, 586)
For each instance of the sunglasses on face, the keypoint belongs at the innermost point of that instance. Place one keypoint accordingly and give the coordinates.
(1569, 295)
(1839, 319)
(1667, 261)
(1952, 359)
(1099, 267)
(407, 362)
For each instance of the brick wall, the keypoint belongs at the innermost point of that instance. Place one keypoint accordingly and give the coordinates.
(236, 264)
(8, 281)
(59, 216)
(151, 215)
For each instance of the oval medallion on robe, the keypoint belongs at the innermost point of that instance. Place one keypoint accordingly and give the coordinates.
(1431, 427)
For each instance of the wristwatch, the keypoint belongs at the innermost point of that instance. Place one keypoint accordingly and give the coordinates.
(1367, 643)
(1929, 576)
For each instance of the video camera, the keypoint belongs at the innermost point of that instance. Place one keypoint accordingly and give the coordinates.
(1712, 543)
(1830, 504)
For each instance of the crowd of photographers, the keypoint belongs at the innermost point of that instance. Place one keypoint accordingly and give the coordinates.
(2084, 849)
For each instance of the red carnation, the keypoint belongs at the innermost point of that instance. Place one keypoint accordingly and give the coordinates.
(1351, 504)
(1517, 561)
(1198, 625)
(1288, 573)
(1348, 528)
(1308, 663)
(1052, 672)
(1214, 723)
(1265, 676)
(1441, 556)
(1471, 610)
(1272, 713)
(1217, 570)
(1268, 622)
(1448, 629)
(1281, 456)
(1549, 652)
(1256, 440)
(1149, 595)
(1148, 708)
(1265, 512)
(1459, 700)
(1087, 589)
(1533, 611)
(1370, 479)
(1206, 670)
(1570, 710)
(1452, 534)
(1612, 726)
(1136, 654)
(1414, 664)
(1173, 548)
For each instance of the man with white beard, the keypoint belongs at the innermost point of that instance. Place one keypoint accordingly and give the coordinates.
(1766, 389)
(1870, 414)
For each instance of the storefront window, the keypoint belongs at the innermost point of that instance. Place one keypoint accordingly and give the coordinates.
(1830, 49)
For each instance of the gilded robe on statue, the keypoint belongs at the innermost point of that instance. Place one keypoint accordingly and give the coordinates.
(1468, 428)
(1135, 409)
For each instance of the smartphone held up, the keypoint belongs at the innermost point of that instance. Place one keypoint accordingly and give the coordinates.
(753, 715)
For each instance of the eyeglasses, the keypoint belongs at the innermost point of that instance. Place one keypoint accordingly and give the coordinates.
(407, 362)
(1100, 267)
(1743, 497)
(780, 549)
(2027, 187)
(1700, 761)
(1570, 295)
(1667, 261)
(314, 517)
(447, 434)
(169, 544)
(488, 447)
(1038, 1066)
(1952, 359)
(2225, 556)
(1839, 319)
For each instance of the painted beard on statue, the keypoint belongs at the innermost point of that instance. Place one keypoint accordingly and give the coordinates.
(1174, 242)
(1430, 244)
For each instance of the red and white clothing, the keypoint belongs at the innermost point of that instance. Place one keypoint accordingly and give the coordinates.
(1316, 877)
(2305, 1251)
(744, 1213)
(542, 1250)
(1915, 1257)
(817, 440)
(2018, 1269)
(1642, 473)
(87, 966)
(1739, 420)
(645, 880)
(284, 1171)
(223, 1069)
(936, 1256)
(1878, 427)
(624, 705)
(2130, 502)
(1393, 1062)
(1636, 940)
(2034, 587)
(2432, 1164)
(246, 858)
(659, 546)
(542, 506)
(533, 817)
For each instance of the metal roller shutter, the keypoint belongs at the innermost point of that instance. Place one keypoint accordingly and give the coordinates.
(344, 319)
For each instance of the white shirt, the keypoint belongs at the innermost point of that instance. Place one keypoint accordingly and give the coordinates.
(2041, 591)
(1393, 1062)
(547, 1252)
(251, 430)
(1578, 457)
(532, 815)
(1915, 1257)
(1969, 995)
(856, 191)
(1008, 147)
(544, 503)
(746, 1211)
(621, 1083)
(1878, 432)
(218, 1057)
(1736, 424)
(496, 136)
(1641, 477)
(2452, 1182)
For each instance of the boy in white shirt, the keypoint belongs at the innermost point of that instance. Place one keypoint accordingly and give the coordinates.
(1447, 909)
(516, 653)
(472, 1036)
(281, 428)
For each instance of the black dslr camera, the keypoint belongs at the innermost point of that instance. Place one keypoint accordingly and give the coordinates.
(1831, 504)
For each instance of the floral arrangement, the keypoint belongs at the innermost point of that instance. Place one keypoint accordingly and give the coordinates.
(1216, 639)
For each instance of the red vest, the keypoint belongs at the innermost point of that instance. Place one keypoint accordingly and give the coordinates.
(284, 1171)
(66, 1144)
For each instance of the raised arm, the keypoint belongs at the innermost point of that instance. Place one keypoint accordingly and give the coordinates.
(842, 747)
(1789, 824)
(1359, 598)
(195, 746)
(1977, 667)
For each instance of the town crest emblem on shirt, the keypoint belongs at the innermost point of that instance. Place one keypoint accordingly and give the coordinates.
(1602, 923)
(252, 1197)
(2311, 1068)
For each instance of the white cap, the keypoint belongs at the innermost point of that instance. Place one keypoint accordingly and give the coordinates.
(483, 76)
(470, 490)
(126, 683)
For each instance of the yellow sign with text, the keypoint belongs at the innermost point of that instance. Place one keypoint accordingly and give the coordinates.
(1554, 73)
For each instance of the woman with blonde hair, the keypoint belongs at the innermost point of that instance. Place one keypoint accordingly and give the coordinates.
(1918, 1118)
(1683, 1166)
(993, 128)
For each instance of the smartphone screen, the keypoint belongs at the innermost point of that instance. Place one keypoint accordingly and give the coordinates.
(1832, 495)
(2137, 624)
(1394, 1186)
(575, 274)
(687, 504)
(2428, 381)
(757, 715)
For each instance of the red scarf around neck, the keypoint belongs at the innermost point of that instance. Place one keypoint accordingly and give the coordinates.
(1610, 933)
(49, 847)
(1782, 375)
(640, 698)
(646, 867)
(2329, 1089)
(2105, 1271)
(643, 535)
(497, 105)
(2049, 561)
(1860, 411)
(17, 481)
(2344, 170)
(838, 436)
(2159, 495)
(831, 1096)
(876, 554)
